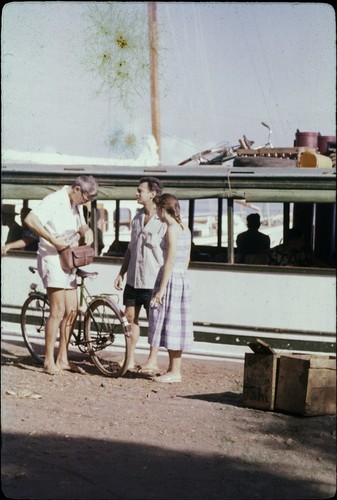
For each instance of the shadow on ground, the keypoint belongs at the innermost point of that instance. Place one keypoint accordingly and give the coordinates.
(52, 467)
(227, 398)
(26, 362)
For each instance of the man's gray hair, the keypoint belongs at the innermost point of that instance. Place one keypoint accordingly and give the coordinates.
(87, 183)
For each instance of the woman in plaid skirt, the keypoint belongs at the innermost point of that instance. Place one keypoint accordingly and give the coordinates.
(170, 316)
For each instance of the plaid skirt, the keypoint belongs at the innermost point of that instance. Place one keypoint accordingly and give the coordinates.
(170, 324)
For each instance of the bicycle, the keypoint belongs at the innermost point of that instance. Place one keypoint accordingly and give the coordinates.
(223, 151)
(102, 329)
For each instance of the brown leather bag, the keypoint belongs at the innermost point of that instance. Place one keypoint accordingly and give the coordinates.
(73, 257)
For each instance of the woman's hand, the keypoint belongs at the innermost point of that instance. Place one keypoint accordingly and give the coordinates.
(157, 299)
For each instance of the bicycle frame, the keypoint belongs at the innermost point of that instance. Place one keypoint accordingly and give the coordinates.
(84, 300)
(100, 328)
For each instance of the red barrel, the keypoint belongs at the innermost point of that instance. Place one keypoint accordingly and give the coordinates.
(306, 139)
(323, 141)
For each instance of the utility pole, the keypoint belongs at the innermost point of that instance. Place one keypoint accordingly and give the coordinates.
(153, 41)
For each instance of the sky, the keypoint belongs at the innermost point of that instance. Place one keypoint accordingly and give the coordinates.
(75, 76)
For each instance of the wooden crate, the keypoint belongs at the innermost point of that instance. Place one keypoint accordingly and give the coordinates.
(259, 380)
(306, 385)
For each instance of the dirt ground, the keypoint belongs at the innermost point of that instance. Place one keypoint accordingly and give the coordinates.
(75, 436)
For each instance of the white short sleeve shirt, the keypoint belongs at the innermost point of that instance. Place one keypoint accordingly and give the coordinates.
(58, 216)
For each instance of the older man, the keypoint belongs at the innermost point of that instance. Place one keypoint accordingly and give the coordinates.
(58, 220)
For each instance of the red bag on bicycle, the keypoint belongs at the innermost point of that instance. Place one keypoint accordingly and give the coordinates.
(73, 257)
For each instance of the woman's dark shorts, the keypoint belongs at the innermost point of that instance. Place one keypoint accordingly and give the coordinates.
(137, 297)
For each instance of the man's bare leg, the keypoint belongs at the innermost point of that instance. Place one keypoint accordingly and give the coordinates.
(132, 314)
(151, 364)
(55, 296)
(66, 328)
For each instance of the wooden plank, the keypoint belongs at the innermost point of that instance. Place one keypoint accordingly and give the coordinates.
(321, 392)
(259, 381)
(317, 360)
(291, 384)
(277, 152)
(261, 347)
(306, 385)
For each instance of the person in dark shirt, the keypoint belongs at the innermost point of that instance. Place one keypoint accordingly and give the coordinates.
(253, 246)
(293, 252)
(100, 242)
(28, 241)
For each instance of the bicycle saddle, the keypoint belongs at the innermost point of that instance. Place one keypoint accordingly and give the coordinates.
(85, 274)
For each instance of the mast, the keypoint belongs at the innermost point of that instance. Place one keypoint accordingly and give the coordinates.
(153, 41)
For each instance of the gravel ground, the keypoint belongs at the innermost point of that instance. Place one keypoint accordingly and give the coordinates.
(75, 436)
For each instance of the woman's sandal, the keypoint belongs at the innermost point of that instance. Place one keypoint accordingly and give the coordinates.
(168, 379)
(148, 371)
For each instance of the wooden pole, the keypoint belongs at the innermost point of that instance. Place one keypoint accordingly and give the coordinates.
(153, 40)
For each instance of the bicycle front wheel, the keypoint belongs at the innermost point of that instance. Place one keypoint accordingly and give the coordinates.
(107, 337)
(34, 314)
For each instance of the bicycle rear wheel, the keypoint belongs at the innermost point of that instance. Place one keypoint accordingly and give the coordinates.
(107, 336)
(34, 313)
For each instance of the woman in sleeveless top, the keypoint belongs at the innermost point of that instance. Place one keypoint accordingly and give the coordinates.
(170, 316)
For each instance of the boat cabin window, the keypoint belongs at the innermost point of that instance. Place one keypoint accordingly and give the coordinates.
(209, 221)
(214, 204)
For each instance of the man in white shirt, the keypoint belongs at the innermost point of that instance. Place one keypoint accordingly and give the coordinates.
(142, 260)
(58, 221)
